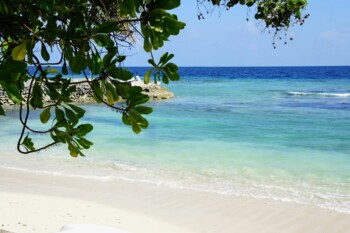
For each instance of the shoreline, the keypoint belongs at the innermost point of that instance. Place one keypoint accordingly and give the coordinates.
(46, 202)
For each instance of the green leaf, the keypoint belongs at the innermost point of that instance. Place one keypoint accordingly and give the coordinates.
(80, 112)
(141, 99)
(51, 91)
(64, 68)
(250, 3)
(122, 89)
(12, 90)
(147, 76)
(155, 40)
(135, 91)
(172, 67)
(68, 52)
(108, 58)
(112, 70)
(65, 136)
(78, 63)
(60, 136)
(30, 47)
(72, 149)
(137, 118)
(216, 2)
(112, 94)
(86, 144)
(173, 26)
(84, 129)
(54, 137)
(106, 27)
(165, 58)
(8, 77)
(135, 127)
(97, 92)
(2, 112)
(19, 52)
(147, 45)
(171, 71)
(123, 74)
(145, 29)
(128, 7)
(45, 115)
(165, 78)
(15, 66)
(143, 109)
(95, 63)
(150, 61)
(72, 117)
(120, 58)
(231, 3)
(44, 54)
(59, 114)
(110, 98)
(125, 119)
(27, 143)
(174, 76)
(67, 90)
(103, 40)
(167, 4)
(37, 99)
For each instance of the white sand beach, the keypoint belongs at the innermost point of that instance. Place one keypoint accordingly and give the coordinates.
(43, 203)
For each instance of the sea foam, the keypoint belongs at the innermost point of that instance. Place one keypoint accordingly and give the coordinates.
(323, 94)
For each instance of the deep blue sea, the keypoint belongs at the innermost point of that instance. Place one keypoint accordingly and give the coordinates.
(279, 133)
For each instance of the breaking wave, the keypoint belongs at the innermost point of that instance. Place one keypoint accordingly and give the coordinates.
(323, 94)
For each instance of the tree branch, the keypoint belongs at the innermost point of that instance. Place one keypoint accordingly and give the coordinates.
(25, 121)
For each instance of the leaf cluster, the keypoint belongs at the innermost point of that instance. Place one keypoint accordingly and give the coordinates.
(88, 35)
(163, 70)
(158, 25)
(275, 14)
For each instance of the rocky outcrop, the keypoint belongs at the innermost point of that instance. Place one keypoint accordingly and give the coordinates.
(159, 94)
(4, 99)
(84, 93)
(155, 91)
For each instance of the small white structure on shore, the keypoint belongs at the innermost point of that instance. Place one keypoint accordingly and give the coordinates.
(137, 81)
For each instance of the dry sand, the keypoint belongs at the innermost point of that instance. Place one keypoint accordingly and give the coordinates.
(43, 203)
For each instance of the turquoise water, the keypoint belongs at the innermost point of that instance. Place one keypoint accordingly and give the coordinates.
(274, 133)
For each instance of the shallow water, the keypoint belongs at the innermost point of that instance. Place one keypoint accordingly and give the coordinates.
(277, 133)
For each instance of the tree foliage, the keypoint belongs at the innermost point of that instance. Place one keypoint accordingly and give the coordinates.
(276, 15)
(89, 35)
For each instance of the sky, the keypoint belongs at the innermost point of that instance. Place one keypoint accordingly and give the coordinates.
(225, 38)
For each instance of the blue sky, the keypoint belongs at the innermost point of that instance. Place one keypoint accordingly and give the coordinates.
(226, 39)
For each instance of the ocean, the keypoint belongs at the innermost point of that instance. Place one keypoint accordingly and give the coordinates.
(280, 133)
